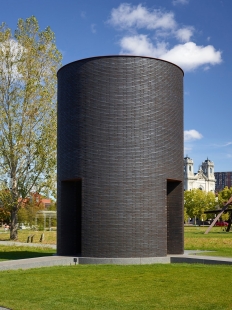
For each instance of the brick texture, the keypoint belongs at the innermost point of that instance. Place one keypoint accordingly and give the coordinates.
(120, 131)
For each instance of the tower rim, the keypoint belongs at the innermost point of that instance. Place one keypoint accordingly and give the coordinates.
(120, 56)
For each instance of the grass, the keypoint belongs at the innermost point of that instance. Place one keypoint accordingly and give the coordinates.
(176, 286)
(21, 252)
(216, 240)
(49, 236)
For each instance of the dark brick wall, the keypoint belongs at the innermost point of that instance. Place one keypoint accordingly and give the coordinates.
(120, 130)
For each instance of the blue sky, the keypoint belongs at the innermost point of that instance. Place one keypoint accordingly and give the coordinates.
(194, 34)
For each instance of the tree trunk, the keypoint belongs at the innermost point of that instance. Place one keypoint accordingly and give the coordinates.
(229, 223)
(14, 225)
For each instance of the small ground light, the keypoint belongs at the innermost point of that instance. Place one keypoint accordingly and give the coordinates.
(75, 260)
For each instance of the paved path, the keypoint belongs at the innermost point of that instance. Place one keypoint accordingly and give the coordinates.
(193, 258)
(36, 262)
(189, 256)
(36, 245)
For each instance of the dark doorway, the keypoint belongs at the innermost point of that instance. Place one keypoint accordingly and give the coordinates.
(70, 217)
(175, 221)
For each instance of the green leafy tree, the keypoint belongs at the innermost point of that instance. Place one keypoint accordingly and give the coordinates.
(29, 60)
(29, 208)
(223, 197)
(186, 216)
(4, 212)
(53, 206)
(23, 215)
(197, 202)
(4, 216)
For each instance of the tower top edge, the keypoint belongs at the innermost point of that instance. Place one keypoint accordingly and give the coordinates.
(120, 56)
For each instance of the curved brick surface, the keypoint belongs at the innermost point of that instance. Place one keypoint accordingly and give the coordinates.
(120, 137)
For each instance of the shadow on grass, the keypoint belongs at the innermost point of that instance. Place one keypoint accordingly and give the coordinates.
(12, 255)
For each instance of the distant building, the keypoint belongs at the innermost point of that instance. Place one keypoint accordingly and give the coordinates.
(46, 202)
(223, 179)
(38, 200)
(204, 179)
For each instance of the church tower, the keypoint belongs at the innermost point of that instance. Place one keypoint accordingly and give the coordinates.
(208, 169)
(204, 179)
(188, 171)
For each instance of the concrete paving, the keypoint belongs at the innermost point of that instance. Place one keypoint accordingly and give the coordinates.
(190, 257)
(200, 259)
(36, 245)
(36, 262)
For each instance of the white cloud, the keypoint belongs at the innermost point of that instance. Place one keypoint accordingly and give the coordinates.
(93, 28)
(14, 51)
(206, 68)
(83, 14)
(127, 16)
(141, 45)
(190, 135)
(175, 2)
(188, 56)
(184, 34)
(187, 149)
(13, 48)
(223, 145)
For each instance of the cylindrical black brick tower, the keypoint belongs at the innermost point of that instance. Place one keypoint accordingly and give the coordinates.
(120, 158)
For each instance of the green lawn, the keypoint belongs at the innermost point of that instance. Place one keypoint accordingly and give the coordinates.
(20, 252)
(216, 240)
(49, 236)
(176, 286)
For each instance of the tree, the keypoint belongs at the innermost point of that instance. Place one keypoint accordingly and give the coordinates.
(186, 216)
(223, 197)
(5, 204)
(197, 202)
(29, 207)
(4, 216)
(4, 212)
(29, 60)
